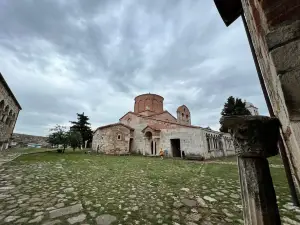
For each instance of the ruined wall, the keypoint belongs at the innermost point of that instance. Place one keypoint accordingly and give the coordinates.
(9, 111)
(275, 31)
(21, 140)
(112, 140)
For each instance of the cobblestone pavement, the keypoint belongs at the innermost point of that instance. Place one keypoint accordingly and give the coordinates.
(51, 188)
(7, 157)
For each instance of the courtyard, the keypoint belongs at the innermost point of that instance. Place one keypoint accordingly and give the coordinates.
(76, 188)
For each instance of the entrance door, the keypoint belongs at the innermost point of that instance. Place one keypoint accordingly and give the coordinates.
(151, 147)
(130, 144)
(175, 147)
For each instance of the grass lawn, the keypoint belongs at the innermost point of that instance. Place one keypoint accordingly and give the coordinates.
(275, 160)
(28, 150)
(133, 189)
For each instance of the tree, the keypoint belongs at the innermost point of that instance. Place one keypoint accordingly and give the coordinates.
(59, 136)
(234, 106)
(83, 127)
(75, 139)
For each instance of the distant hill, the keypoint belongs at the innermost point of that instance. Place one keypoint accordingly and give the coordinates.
(22, 140)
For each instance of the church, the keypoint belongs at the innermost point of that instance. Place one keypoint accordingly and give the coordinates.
(150, 128)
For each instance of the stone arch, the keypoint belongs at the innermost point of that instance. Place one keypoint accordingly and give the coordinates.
(141, 106)
(9, 117)
(148, 135)
(148, 104)
(13, 118)
(2, 103)
(208, 142)
(5, 113)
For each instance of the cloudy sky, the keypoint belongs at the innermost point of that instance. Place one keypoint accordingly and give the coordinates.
(61, 57)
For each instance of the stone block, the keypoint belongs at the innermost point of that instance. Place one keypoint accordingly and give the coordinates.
(287, 57)
(65, 211)
(283, 34)
(290, 83)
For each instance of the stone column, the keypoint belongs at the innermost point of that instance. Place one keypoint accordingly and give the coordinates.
(224, 145)
(144, 145)
(255, 139)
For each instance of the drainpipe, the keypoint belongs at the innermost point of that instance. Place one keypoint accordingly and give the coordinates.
(281, 145)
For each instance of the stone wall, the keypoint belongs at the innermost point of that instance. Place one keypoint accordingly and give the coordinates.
(9, 110)
(275, 31)
(192, 139)
(21, 140)
(112, 140)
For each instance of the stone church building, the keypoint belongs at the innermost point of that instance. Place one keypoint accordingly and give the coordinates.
(9, 111)
(150, 128)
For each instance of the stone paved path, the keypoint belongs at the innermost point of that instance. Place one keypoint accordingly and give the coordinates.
(119, 190)
(7, 157)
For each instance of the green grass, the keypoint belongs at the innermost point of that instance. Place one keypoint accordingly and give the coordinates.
(111, 180)
(28, 150)
(275, 160)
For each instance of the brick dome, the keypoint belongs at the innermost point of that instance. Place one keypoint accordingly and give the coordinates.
(149, 102)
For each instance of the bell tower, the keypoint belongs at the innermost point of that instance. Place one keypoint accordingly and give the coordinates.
(183, 115)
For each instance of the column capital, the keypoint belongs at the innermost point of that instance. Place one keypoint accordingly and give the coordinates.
(253, 136)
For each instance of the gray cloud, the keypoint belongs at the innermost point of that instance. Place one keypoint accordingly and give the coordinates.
(64, 57)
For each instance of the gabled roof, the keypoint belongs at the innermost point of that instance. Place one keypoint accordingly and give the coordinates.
(155, 127)
(156, 114)
(170, 122)
(112, 125)
(130, 112)
(2, 80)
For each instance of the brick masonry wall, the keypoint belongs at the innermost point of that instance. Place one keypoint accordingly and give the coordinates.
(275, 31)
(150, 102)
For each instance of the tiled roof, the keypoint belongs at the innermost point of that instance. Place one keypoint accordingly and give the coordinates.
(114, 124)
(146, 117)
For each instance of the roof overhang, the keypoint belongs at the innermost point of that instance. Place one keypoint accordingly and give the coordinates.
(229, 10)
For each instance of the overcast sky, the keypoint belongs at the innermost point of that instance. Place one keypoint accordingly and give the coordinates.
(61, 57)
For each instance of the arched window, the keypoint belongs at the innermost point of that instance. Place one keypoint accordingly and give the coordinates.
(208, 145)
(182, 114)
(1, 105)
(5, 114)
(1, 109)
(119, 136)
